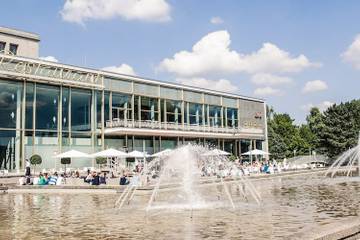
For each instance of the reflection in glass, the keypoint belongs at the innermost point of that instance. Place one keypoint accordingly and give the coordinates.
(9, 143)
(195, 113)
(149, 109)
(10, 104)
(47, 99)
(232, 117)
(80, 110)
(29, 105)
(214, 115)
(121, 106)
(65, 108)
(173, 111)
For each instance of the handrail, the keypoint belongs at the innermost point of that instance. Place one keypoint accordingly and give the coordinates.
(172, 126)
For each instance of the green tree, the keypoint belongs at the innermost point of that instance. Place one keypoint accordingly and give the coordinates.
(341, 127)
(315, 122)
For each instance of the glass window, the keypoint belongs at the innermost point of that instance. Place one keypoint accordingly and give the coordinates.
(10, 104)
(214, 115)
(47, 100)
(8, 144)
(149, 145)
(138, 144)
(121, 106)
(106, 106)
(13, 48)
(173, 111)
(149, 109)
(170, 143)
(229, 146)
(195, 113)
(80, 110)
(98, 108)
(2, 47)
(232, 117)
(29, 105)
(65, 108)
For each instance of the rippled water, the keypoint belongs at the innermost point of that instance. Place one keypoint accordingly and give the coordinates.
(290, 205)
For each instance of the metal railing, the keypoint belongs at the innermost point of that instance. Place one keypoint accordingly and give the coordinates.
(171, 126)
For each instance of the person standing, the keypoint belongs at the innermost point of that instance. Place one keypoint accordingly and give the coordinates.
(27, 171)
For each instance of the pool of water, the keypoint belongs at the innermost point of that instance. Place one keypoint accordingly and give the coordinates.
(290, 205)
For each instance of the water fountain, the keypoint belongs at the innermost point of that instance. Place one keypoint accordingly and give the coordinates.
(345, 164)
(192, 177)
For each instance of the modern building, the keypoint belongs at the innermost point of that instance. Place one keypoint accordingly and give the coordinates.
(47, 108)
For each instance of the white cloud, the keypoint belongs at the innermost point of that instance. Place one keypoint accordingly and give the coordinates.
(352, 54)
(218, 85)
(122, 69)
(270, 79)
(216, 20)
(212, 54)
(322, 106)
(268, 91)
(49, 58)
(79, 11)
(315, 86)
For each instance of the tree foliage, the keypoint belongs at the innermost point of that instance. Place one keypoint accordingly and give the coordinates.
(330, 132)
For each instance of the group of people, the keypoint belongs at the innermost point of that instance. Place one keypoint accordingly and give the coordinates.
(94, 178)
(43, 179)
(240, 169)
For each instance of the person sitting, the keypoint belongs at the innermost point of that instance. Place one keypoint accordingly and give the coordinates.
(60, 180)
(89, 178)
(42, 180)
(96, 179)
(103, 178)
(123, 180)
(53, 179)
(47, 178)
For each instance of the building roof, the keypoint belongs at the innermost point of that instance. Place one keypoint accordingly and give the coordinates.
(119, 76)
(19, 33)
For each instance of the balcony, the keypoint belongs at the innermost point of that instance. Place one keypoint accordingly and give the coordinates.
(119, 123)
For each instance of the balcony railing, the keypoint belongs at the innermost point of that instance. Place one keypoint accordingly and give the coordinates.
(172, 126)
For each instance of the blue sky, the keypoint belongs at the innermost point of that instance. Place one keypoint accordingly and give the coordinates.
(312, 59)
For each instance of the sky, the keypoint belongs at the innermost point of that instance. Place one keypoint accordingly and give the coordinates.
(294, 54)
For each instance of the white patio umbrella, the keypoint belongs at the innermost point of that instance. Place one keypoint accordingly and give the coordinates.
(162, 153)
(256, 152)
(216, 152)
(73, 154)
(137, 154)
(108, 153)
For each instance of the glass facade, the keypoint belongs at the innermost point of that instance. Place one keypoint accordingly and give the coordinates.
(49, 118)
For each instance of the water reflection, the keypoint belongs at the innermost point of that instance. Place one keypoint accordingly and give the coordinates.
(290, 205)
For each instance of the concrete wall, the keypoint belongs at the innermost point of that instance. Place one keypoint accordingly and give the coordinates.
(28, 43)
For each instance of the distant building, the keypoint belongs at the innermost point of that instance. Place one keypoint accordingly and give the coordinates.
(47, 108)
(19, 43)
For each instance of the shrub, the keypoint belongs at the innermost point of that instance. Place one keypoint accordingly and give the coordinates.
(35, 159)
(65, 161)
(101, 160)
(232, 158)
